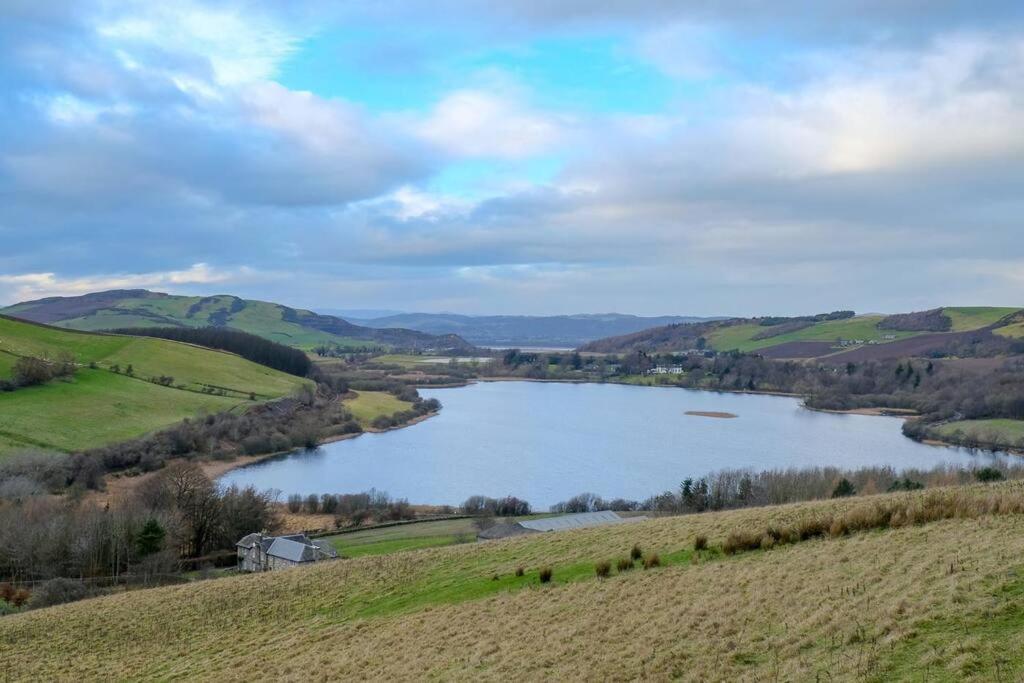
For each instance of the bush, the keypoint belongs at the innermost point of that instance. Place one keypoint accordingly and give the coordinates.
(738, 541)
(843, 489)
(57, 592)
(652, 561)
(636, 553)
(6, 592)
(624, 564)
(294, 503)
(520, 571)
(700, 542)
(545, 574)
(20, 597)
(988, 474)
(603, 569)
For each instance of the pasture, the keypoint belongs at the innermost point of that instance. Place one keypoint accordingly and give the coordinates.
(966, 318)
(100, 406)
(942, 600)
(369, 405)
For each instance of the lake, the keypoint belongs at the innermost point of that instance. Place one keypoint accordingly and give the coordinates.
(546, 442)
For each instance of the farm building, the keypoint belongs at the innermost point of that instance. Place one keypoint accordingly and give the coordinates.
(579, 520)
(259, 553)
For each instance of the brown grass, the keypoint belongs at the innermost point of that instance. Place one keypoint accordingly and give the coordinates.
(912, 598)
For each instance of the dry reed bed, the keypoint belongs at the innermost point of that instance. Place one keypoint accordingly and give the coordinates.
(848, 606)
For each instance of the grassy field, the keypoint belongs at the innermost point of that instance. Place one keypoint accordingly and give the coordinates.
(974, 317)
(1013, 330)
(740, 337)
(942, 601)
(1003, 431)
(100, 406)
(404, 537)
(369, 405)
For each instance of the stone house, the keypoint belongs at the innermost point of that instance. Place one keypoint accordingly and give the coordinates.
(259, 553)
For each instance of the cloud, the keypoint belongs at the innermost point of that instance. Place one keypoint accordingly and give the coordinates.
(28, 286)
(477, 123)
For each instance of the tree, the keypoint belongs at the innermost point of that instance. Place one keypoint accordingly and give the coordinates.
(150, 539)
(843, 489)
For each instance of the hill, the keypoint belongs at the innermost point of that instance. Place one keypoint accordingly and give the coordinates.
(940, 599)
(840, 336)
(526, 330)
(119, 309)
(103, 403)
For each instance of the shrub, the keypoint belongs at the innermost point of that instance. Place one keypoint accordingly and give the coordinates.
(20, 597)
(520, 571)
(603, 569)
(738, 541)
(294, 503)
(545, 574)
(6, 592)
(987, 474)
(700, 542)
(843, 489)
(57, 592)
(636, 553)
(624, 564)
(652, 561)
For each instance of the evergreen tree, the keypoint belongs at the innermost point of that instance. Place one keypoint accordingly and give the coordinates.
(150, 539)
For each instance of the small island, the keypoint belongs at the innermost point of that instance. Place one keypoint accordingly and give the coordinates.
(712, 413)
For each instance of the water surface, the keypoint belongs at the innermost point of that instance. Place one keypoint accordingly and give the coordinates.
(546, 442)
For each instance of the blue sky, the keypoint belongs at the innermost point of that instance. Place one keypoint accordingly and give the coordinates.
(529, 157)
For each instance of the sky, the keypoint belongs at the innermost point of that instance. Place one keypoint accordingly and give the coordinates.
(529, 156)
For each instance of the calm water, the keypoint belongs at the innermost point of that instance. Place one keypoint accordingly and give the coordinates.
(546, 442)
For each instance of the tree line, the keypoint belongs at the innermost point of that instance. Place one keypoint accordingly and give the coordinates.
(248, 346)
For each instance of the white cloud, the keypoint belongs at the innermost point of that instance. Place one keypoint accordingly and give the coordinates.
(478, 123)
(29, 286)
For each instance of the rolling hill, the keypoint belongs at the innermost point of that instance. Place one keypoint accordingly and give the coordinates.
(933, 600)
(103, 403)
(119, 309)
(841, 336)
(526, 330)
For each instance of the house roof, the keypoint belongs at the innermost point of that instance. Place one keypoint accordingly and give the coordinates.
(294, 551)
(580, 520)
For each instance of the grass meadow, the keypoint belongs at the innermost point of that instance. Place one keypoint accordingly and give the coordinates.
(941, 601)
(100, 406)
(967, 318)
(369, 405)
(740, 337)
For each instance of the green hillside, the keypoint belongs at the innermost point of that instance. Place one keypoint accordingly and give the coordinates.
(975, 317)
(302, 329)
(741, 337)
(942, 600)
(749, 335)
(101, 406)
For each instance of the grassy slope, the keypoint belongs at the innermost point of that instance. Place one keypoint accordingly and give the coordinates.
(99, 406)
(862, 327)
(404, 537)
(1014, 330)
(967, 318)
(944, 601)
(369, 405)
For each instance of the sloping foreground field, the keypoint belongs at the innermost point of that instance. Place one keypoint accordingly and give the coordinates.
(937, 601)
(100, 406)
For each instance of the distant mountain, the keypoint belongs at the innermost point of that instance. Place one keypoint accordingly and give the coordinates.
(526, 330)
(840, 336)
(294, 327)
(356, 315)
